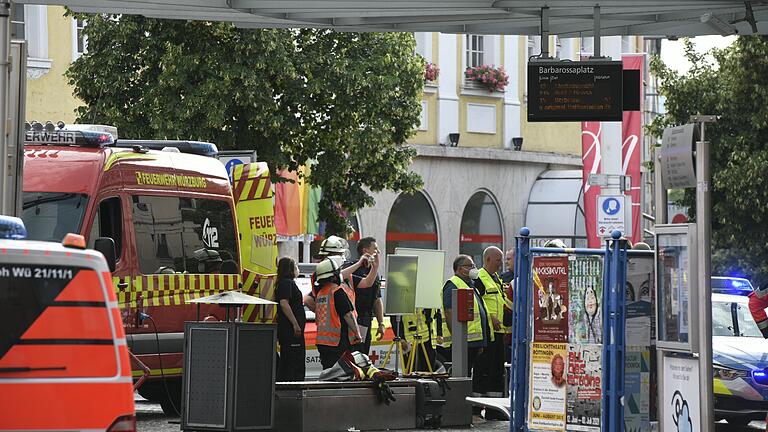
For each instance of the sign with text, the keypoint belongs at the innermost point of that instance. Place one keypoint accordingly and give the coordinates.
(680, 404)
(677, 161)
(575, 91)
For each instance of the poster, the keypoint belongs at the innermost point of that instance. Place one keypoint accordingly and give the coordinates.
(584, 387)
(636, 390)
(550, 299)
(680, 404)
(638, 301)
(547, 395)
(585, 275)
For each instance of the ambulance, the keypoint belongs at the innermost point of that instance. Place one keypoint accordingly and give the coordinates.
(63, 354)
(160, 212)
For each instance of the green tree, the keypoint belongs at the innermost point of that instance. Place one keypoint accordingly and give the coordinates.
(733, 84)
(345, 100)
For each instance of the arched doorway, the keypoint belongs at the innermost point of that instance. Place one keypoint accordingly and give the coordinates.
(480, 227)
(411, 223)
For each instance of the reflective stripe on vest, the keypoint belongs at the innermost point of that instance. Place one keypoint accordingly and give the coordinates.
(475, 327)
(494, 300)
(326, 318)
(415, 327)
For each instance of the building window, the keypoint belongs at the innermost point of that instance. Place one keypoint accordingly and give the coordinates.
(411, 223)
(79, 39)
(424, 45)
(17, 21)
(475, 50)
(480, 226)
(352, 239)
(627, 45)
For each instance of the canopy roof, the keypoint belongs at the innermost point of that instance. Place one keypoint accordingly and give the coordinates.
(513, 17)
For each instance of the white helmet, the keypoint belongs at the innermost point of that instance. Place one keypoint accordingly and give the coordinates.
(326, 269)
(333, 245)
(555, 243)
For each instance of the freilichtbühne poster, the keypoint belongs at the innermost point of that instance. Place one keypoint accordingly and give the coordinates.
(548, 382)
(550, 299)
(585, 276)
(584, 387)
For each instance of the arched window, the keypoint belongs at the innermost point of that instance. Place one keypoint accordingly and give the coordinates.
(411, 223)
(480, 227)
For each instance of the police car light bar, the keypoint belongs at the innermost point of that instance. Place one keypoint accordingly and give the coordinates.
(190, 147)
(12, 228)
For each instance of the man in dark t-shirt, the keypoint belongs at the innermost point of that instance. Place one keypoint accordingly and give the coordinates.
(368, 293)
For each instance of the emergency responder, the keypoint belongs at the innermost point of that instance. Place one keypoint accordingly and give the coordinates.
(336, 249)
(290, 323)
(490, 364)
(336, 326)
(507, 279)
(478, 330)
(367, 284)
(416, 329)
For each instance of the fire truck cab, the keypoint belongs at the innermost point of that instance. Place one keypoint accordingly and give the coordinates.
(168, 209)
(63, 355)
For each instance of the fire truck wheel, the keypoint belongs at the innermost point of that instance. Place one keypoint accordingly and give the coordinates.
(170, 401)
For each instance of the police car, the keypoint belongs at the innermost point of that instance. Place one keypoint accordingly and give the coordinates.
(740, 361)
(731, 285)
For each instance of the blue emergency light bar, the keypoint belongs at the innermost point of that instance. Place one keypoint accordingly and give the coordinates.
(731, 285)
(190, 147)
(12, 228)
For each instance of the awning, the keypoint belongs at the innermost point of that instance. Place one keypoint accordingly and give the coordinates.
(512, 17)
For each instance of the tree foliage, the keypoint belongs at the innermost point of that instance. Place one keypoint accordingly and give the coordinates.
(345, 100)
(732, 83)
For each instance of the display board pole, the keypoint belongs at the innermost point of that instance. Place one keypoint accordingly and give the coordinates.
(520, 327)
(704, 232)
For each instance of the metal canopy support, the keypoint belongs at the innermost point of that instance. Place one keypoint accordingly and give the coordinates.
(544, 32)
(8, 203)
(596, 19)
(704, 232)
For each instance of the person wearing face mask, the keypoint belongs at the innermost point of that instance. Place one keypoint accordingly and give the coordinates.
(478, 330)
(337, 329)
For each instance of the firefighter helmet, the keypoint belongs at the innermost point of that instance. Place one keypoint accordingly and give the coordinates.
(326, 268)
(333, 245)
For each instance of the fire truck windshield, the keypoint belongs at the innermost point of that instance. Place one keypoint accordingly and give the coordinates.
(49, 216)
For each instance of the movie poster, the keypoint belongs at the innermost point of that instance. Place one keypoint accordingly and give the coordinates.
(547, 395)
(636, 390)
(584, 387)
(550, 299)
(585, 275)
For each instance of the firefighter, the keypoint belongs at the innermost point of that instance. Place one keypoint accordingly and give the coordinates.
(337, 329)
(758, 301)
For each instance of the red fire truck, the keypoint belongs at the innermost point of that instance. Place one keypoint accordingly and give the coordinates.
(171, 216)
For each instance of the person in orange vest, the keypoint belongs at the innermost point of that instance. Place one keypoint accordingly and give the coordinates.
(337, 329)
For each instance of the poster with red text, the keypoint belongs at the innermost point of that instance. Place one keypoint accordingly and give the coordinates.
(584, 387)
(547, 386)
(550, 299)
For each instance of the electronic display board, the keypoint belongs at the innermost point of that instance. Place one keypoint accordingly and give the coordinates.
(575, 91)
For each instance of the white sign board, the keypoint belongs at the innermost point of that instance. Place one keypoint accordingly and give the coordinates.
(680, 404)
(429, 281)
(611, 214)
(676, 157)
